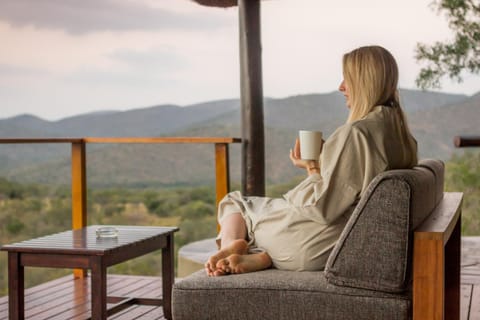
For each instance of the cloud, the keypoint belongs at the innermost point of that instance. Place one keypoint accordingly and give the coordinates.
(8, 70)
(133, 69)
(85, 16)
(156, 59)
(20, 76)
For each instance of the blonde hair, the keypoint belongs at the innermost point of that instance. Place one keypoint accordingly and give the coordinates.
(371, 75)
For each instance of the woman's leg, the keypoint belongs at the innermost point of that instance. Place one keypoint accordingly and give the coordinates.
(233, 235)
(233, 255)
(233, 228)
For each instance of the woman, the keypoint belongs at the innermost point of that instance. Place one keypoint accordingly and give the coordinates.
(298, 231)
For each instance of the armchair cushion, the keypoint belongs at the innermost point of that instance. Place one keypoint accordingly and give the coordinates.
(303, 295)
(374, 249)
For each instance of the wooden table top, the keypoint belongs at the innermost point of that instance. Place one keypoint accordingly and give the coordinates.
(85, 240)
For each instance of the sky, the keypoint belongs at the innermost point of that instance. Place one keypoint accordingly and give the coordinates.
(61, 58)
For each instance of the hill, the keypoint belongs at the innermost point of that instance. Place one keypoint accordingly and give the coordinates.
(434, 117)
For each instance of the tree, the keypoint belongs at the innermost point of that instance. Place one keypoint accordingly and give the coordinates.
(462, 53)
(463, 173)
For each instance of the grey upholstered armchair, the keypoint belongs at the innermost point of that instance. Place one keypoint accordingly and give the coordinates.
(397, 258)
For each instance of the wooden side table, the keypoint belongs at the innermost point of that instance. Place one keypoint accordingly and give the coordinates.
(82, 249)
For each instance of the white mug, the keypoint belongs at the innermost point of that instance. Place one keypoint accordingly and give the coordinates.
(310, 144)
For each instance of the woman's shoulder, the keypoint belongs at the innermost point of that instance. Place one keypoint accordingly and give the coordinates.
(343, 136)
(373, 121)
(362, 128)
(341, 132)
(353, 128)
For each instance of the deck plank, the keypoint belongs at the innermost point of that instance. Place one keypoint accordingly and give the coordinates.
(471, 276)
(69, 298)
(55, 284)
(465, 297)
(475, 303)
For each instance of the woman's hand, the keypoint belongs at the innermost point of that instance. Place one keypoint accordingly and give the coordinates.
(309, 165)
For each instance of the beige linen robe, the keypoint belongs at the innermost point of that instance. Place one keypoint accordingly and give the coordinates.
(299, 230)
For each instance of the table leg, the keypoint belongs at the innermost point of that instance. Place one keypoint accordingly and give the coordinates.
(99, 289)
(16, 287)
(168, 276)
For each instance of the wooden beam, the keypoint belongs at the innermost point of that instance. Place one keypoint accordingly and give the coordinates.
(253, 150)
(466, 141)
(162, 140)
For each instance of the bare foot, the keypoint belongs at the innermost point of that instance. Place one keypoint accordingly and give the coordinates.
(238, 246)
(238, 263)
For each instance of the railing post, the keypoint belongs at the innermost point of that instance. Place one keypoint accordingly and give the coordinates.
(79, 192)
(222, 172)
(79, 185)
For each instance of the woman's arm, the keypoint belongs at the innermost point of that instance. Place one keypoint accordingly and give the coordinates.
(326, 197)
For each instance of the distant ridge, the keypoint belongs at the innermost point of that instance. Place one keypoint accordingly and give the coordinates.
(434, 118)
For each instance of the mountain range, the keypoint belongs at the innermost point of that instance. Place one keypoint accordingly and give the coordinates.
(435, 118)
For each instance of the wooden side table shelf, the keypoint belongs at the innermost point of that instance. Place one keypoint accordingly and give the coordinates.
(82, 249)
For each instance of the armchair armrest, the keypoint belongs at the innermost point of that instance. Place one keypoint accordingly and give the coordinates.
(436, 261)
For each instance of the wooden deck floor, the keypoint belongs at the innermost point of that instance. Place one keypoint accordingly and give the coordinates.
(470, 308)
(66, 298)
(69, 298)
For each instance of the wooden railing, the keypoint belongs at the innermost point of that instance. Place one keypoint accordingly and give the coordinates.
(466, 141)
(79, 161)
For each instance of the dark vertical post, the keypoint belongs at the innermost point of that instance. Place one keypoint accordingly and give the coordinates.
(253, 149)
